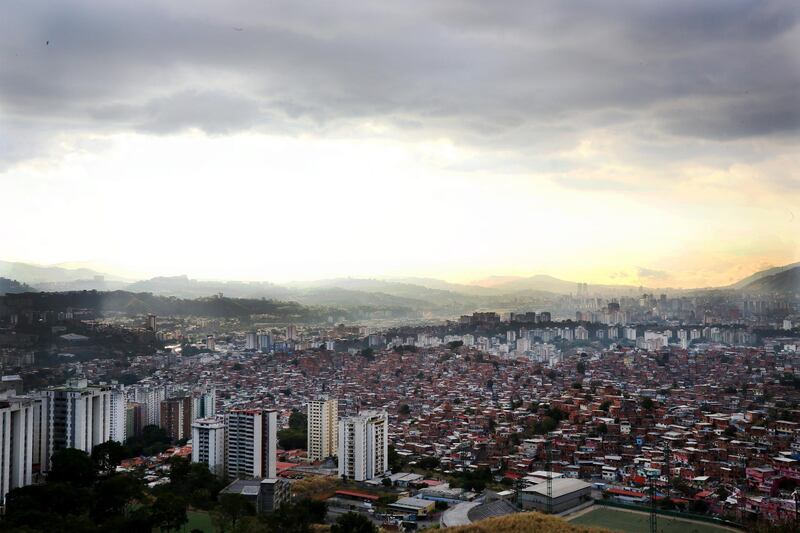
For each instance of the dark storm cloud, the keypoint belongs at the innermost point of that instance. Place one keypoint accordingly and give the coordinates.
(513, 74)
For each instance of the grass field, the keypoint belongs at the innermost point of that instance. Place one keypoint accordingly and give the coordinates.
(629, 522)
(199, 520)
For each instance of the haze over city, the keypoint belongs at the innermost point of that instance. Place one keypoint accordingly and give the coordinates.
(641, 143)
(273, 266)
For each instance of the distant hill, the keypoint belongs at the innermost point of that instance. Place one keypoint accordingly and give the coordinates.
(741, 284)
(8, 286)
(185, 287)
(523, 523)
(33, 274)
(460, 288)
(785, 281)
(140, 303)
(418, 294)
(545, 283)
(413, 295)
(494, 281)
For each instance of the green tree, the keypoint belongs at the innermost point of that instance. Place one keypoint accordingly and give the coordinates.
(647, 404)
(169, 512)
(295, 437)
(108, 455)
(297, 517)
(353, 523)
(153, 440)
(234, 507)
(113, 495)
(428, 463)
(72, 466)
(178, 470)
(298, 420)
(396, 461)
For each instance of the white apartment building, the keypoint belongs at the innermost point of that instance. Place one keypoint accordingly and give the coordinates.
(264, 343)
(364, 445)
(204, 404)
(323, 434)
(118, 416)
(16, 443)
(208, 444)
(150, 397)
(251, 441)
(251, 340)
(78, 416)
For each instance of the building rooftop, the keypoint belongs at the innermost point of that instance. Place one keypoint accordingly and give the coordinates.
(561, 487)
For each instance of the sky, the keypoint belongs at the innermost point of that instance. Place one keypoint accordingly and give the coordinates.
(642, 142)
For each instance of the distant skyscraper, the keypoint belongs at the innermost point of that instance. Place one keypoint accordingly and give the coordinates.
(251, 442)
(291, 332)
(323, 434)
(176, 417)
(364, 445)
(211, 343)
(152, 322)
(134, 419)
(208, 444)
(150, 397)
(264, 341)
(251, 341)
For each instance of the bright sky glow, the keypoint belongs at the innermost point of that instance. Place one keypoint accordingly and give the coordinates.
(302, 154)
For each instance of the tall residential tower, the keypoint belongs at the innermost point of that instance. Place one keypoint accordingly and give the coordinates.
(251, 441)
(323, 435)
(364, 445)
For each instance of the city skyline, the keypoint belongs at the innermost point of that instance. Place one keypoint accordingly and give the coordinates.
(642, 143)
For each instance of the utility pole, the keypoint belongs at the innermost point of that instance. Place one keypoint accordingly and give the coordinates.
(549, 468)
(666, 467)
(653, 513)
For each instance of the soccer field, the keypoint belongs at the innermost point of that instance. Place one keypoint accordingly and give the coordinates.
(631, 522)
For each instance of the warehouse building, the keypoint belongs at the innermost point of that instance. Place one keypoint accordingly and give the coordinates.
(567, 493)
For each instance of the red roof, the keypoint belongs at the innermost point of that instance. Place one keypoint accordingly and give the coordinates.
(281, 466)
(624, 492)
(355, 494)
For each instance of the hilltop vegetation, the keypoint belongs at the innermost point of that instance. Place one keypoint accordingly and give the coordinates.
(524, 523)
(785, 282)
(139, 303)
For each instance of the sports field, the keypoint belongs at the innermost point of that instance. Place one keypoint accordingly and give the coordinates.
(199, 520)
(635, 522)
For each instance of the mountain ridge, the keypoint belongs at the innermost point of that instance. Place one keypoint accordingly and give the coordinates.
(419, 293)
(785, 281)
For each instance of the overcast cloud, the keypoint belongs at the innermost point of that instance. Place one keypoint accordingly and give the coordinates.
(674, 121)
(715, 70)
